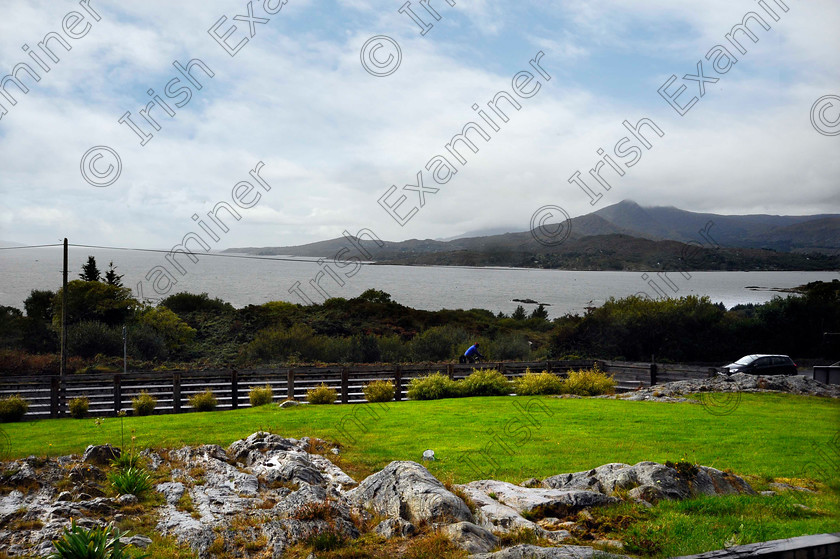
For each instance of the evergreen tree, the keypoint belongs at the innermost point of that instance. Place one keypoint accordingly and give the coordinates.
(519, 313)
(89, 271)
(540, 312)
(112, 277)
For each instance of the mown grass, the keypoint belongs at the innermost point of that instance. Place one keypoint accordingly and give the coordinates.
(773, 435)
(768, 437)
(675, 528)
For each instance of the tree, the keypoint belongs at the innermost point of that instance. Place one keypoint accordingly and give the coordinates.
(94, 301)
(39, 305)
(540, 313)
(519, 313)
(176, 334)
(112, 277)
(376, 296)
(37, 335)
(89, 271)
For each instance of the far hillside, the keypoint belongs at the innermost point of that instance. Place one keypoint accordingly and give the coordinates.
(625, 236)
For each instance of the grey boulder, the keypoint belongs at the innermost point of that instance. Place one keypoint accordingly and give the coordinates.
(471, 538)
(651, 481)
(407, 490)
(101, 455)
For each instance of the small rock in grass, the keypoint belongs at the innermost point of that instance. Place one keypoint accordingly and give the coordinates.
(64, 496)
(289, 404)
(429, 455)
(615, 544)
(471, 538)
(789, 487)
(100, 454)
(139, 540)
(395, 528)
(127, 499)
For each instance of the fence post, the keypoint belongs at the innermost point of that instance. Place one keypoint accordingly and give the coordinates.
(117, 393)
(397, 383)
(450, 370)
(345, 386)
(234, 389)
(290, 385)
(55, 383)
(548, 366)
(176, 392)
(653, 368)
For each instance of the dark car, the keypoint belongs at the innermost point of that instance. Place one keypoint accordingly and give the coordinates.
(763, 365)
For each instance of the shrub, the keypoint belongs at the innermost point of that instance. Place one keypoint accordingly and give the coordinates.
(144, 403)
(146, 343)
(589, 382)
(101, 542)
(204, 401)
(177, 334)
(184, 303)
(364, 349)
(393, 350)
(278, 344)
(433, 387)
(321, 395)
(261, 396)
(379, 391)
(79, 407)
(130, 481)
(533, 384)
(513, 346)
(90, 338)
(13, 408)
(438, 343)
(485, 382)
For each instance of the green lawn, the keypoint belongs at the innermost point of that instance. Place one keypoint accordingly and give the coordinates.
(768, 436)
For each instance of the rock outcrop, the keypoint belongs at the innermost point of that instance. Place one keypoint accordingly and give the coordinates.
(266, 493)
(650, 481)
(738, 382)
(407, 490)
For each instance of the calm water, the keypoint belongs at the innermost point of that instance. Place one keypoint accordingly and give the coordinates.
(242, 282)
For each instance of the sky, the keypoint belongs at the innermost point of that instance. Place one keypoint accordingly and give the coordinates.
(299, 99)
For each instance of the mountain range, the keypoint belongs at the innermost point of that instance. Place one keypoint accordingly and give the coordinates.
(624, 236)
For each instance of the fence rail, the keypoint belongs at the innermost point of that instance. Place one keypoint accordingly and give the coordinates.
(108, 394)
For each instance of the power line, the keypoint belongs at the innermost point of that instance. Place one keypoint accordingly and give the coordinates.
(216, 255)
(31, 246)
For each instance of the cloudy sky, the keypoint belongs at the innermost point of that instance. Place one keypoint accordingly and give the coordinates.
(333, 137)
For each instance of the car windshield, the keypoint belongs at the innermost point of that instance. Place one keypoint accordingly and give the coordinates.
(746, 360)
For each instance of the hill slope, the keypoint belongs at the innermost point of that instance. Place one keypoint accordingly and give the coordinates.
(624, 236)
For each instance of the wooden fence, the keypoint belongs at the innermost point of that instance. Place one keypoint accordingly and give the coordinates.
(108, 394)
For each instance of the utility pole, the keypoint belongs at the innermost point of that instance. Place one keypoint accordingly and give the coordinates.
(125, 350)
(63, 370)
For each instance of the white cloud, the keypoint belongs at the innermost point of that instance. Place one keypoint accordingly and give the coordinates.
(334, 138)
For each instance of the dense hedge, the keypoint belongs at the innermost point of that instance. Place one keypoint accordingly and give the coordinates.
(195, 329)
(695, 329)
